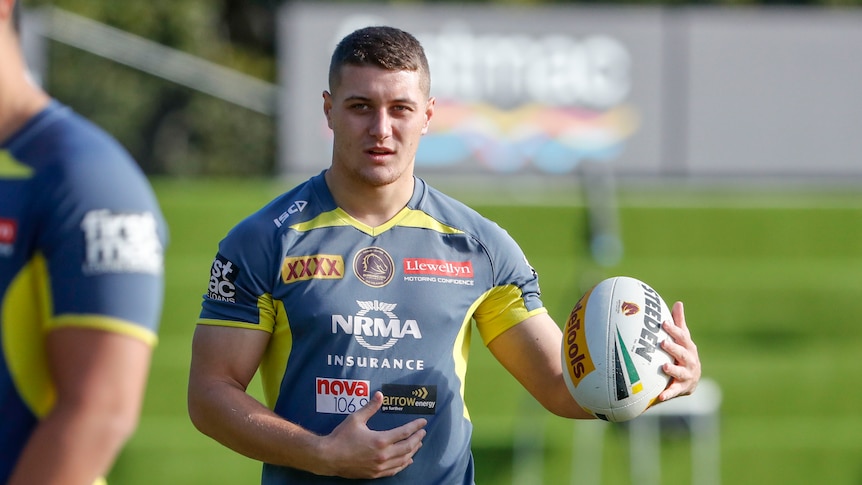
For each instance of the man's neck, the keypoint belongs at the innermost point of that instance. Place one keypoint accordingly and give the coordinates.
(372, 206)
(20, 98)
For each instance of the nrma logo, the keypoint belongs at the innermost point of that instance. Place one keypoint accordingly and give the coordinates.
(375, 332)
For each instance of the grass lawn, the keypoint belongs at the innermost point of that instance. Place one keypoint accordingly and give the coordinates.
(770, 281)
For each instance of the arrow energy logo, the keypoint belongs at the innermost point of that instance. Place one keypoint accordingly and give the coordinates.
(409, 399)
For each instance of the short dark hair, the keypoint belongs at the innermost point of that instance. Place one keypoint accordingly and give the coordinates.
(16, 16)
(386, 47)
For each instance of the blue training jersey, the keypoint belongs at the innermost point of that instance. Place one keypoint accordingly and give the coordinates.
(81, 244)
(354, 309)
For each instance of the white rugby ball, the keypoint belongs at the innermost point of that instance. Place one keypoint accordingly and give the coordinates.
(612, 360)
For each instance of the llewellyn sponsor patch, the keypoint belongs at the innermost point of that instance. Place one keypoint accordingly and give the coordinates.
(438, 267)
(409, 399)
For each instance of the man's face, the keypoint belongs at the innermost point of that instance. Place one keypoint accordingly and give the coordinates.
(377, 117)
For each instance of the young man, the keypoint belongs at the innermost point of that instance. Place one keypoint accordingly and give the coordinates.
(354, 294)
(81, 244)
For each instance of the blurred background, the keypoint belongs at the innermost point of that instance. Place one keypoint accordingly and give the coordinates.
(711, 149)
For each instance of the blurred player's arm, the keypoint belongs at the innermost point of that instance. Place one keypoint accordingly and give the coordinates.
(530, 351)
(100, 379)
(224, 360)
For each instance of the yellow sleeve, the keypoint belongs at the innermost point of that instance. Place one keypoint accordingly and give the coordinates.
(501, 308)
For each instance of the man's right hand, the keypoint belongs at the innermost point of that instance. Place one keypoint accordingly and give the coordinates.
(355, 451)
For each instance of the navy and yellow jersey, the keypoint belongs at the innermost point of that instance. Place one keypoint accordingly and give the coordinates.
(81, 244)
(354, 309)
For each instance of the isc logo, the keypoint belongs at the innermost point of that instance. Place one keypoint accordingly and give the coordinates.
(297, 206)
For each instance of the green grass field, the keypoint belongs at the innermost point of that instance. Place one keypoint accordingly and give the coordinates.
(770, 280)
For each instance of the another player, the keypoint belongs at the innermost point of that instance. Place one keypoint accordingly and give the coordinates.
(81, 255)
(354, 293)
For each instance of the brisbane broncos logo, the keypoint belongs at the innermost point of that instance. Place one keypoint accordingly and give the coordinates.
(628, 308)
(374, 267)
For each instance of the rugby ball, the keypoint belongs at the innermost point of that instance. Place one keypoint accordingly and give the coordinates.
(612, 360)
